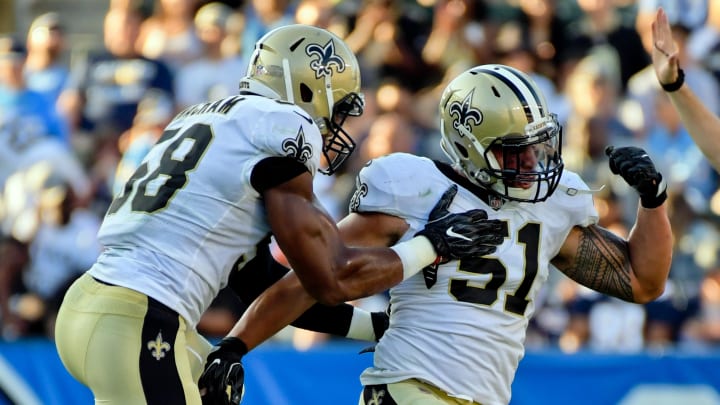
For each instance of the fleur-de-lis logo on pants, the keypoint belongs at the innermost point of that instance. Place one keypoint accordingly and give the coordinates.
(465, 115)
(326, 58)
(377, 397)
(158, 347)
(298, 148)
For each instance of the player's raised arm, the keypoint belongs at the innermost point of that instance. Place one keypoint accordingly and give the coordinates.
(702, 124)
(635, 269)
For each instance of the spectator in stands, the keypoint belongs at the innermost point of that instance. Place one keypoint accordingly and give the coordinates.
(213, 74)
(547, 35)
(320, 13)
(103, 94)
(602, 24)
(234, 27)
(593, 90)
(691, 14)
(27, 121)
(668, 316)
(170, 35)
(458, 35)
(104, 91)
(32, 206)
(388, 43)
(45, 69)
(601, 323)
(64, 247)
(391, 132)
(25, 114)
(704, 329)
(705, 44)
(261, 16)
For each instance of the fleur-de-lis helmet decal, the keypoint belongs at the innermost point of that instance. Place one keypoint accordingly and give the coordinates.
(324, 59)
(465, 115)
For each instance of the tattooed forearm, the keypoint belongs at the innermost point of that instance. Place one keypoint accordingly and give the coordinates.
(602, 262)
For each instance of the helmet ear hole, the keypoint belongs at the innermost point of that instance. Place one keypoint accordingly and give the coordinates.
(463, 151)
(306, 94)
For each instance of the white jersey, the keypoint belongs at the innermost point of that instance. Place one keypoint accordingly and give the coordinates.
(465, 334)
(189, 215)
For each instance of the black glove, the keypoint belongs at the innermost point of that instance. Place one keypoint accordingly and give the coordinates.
(638, 170)
(223, 379)
(467, 234)
(380, 323)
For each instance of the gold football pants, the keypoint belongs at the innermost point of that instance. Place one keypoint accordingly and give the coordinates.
(128, 348)
(408, 392)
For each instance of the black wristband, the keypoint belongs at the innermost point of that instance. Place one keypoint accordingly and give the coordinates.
(654, 201)
(675, 86)
(380, 323)
(234, 345)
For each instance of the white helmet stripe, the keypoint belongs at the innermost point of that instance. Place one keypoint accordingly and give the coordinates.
(539, 102)
(523, 89)
(287, 77)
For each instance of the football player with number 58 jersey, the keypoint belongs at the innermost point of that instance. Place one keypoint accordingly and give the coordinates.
(199, 212)
(457, 330)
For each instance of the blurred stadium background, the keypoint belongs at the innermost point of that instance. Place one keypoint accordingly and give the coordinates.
(65, 152)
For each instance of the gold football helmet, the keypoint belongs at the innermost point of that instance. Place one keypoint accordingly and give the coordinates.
(497, 129)
(316, 70)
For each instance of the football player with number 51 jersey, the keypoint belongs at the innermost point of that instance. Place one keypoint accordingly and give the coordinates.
(199, 212)
(457, 330)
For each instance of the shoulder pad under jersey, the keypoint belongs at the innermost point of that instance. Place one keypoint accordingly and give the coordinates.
(398, 184)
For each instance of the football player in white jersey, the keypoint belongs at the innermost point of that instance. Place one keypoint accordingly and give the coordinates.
(223, 178)
(456, 331)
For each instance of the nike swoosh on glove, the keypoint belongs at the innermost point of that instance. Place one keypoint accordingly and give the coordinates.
(460, 235)
(635, 166)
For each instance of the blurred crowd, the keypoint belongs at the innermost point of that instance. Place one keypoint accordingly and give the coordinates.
(71, 134)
